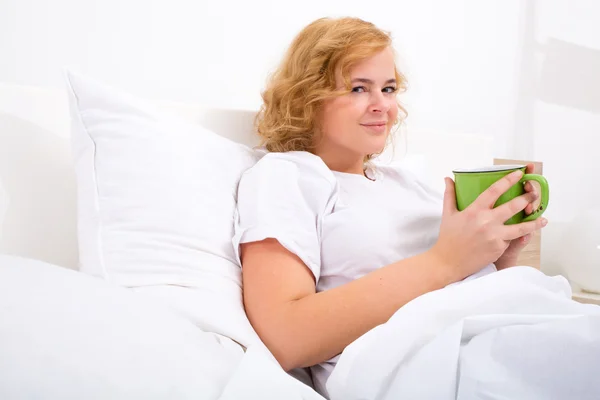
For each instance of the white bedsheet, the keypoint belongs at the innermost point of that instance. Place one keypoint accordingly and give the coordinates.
(513, 334)
(65, 335)
(259, 376)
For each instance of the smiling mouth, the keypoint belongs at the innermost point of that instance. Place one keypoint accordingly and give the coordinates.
(375, 124)
(377, 128)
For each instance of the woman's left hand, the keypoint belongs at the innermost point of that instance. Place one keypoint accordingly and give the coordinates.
(511, 254)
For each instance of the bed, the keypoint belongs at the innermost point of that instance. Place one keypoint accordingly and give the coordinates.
(115, 216)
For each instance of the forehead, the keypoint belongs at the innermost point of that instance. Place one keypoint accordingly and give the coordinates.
(382, 63)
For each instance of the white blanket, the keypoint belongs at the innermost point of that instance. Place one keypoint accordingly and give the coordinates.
(66, 335)
(259, 376)
(513, 334)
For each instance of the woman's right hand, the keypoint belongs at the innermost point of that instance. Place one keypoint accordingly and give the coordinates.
(475, 237)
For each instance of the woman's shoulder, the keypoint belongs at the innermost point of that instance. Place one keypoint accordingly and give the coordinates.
(287, 183)
(299, 158)
(300, 165)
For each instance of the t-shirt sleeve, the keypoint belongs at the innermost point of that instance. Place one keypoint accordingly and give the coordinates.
(284, 197)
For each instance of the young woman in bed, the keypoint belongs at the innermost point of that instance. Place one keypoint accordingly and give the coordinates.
(331, 245)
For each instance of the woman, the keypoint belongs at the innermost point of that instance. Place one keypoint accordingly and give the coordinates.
(331, 245)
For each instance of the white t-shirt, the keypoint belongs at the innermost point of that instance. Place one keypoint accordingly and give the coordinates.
(342, 226)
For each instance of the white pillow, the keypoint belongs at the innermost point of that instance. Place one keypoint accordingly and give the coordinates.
(66, 335)
(156, 199)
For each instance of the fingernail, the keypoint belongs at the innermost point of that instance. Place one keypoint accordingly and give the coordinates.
(544, 222)
(517, 174)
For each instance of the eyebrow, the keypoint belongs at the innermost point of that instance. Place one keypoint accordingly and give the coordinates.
(370, 82)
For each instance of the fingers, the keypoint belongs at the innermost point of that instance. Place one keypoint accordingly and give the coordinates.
(529, 209)
(488, 198)
(530, 168)
(449, 197)
(511, 232)
(508, 209)
(531, 187)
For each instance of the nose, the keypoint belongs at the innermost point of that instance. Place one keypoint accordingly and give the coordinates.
(379, 103)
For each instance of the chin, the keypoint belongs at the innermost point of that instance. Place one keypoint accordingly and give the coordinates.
(375, 147)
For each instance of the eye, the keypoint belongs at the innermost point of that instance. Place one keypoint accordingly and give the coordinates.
(389, 89)
(359, 89)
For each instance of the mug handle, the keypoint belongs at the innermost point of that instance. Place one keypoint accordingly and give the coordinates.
(545, 195)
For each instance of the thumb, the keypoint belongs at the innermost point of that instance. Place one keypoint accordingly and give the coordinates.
(449, 197)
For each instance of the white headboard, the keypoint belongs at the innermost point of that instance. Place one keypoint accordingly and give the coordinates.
(37, 180)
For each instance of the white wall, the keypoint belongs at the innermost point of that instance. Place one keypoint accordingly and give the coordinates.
(474, 66)
(459, 55)
(564, 105)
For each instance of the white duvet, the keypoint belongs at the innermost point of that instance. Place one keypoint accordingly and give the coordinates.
(65, 335)
(513, 334)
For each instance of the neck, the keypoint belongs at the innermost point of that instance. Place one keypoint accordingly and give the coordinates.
(336, 161)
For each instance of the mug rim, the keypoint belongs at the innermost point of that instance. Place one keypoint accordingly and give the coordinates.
(487, 169)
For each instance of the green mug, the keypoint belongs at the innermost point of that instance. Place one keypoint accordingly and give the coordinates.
(470, 183)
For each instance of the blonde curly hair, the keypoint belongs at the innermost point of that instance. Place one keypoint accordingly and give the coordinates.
(289, 116)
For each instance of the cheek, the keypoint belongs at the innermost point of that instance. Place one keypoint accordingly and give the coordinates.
(393, 111)
(339, 115)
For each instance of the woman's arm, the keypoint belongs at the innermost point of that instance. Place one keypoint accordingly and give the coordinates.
(303, 328)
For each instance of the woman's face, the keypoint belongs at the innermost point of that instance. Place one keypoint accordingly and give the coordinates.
(358, 123)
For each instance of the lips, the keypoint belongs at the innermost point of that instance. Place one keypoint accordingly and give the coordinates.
(375, 127)
(377, 123)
